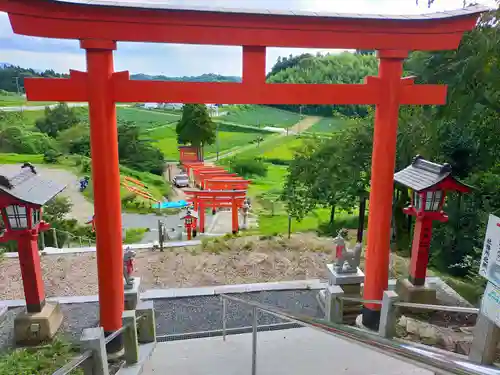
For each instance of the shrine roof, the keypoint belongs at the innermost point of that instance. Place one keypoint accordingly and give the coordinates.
(276, 12)
(28, 186)
(423, 174)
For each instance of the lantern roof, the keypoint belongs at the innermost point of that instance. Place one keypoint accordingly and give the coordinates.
(28, 186)
(423, 175)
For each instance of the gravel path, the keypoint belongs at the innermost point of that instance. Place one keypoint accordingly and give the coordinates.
(82, 209)
(181, 315)
(247, 262)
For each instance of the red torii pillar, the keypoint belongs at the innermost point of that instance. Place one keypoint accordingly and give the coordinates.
(106, 181)
(381, 190)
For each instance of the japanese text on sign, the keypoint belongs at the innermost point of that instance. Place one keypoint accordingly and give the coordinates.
(490, 259)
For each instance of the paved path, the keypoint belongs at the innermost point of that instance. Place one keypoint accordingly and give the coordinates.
(37, 107)
(288, 352)
(82, 209)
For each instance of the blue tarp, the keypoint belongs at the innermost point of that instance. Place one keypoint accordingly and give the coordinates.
(178, 204)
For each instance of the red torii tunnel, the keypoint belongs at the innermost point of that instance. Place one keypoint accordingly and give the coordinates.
(203, 199)
(98, 26)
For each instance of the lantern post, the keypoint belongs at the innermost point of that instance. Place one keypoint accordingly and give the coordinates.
(22, 196)
(428, 183)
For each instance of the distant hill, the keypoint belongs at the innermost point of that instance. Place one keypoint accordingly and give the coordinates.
(8, 72)
(210, 77)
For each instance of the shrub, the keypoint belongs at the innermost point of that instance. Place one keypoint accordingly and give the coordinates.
(249, 167)
(50, 156)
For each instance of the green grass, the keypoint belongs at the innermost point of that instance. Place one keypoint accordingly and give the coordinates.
(327, 125)
(146, 118)
(134, 235)
(284, 151)
(277, 148)
(165, 139)
(7, 158)
(38, 361)
(257, 115)
(278, 223)
(14, 100)
(273, 182)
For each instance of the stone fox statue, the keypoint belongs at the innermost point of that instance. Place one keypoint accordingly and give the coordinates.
(128, 267)
(347, 260)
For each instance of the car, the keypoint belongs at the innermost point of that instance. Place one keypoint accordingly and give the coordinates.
(181, 180)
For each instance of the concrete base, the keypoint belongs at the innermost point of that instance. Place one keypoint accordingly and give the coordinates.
(338, 278)
(34, 328)
(132, 294)
(408, 292)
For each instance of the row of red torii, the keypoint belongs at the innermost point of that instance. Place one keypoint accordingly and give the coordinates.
(219, 188)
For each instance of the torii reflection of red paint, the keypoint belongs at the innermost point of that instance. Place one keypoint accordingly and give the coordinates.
(99, 27)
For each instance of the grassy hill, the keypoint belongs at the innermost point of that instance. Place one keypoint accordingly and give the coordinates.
(260, 116)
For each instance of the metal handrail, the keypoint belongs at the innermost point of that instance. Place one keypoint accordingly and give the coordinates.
(425, 306)
(74, 363)
(432, 361)
(422, 306)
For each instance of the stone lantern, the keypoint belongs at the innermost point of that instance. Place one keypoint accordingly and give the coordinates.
(428, 182)
(190, 218)
(22, 196)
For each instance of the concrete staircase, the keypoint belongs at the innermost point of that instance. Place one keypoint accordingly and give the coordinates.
(297, 351)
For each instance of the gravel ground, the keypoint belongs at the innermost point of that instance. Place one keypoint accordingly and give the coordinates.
(180, 315)
(245, 262)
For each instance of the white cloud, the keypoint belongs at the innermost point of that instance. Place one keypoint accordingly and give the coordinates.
(180, 60)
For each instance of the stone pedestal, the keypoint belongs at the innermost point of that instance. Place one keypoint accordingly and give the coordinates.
(351, 285)
(408, 292)
(34, 328)
(132, 294)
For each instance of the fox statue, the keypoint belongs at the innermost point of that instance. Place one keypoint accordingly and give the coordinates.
(347, 260)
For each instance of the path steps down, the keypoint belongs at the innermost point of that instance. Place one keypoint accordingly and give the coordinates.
(298, 351)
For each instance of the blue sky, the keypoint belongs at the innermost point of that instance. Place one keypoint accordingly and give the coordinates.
(178, 60)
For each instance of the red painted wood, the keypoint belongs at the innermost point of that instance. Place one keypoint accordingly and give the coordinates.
(422, 235)
(381, 187)
(70, 21)
(57, 89)
(31, 271)
(106, 182)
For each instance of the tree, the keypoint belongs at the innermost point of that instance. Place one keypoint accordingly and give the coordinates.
(333, 173)
(138, 153)
(57, 119)
(195, 126)
(75, 140)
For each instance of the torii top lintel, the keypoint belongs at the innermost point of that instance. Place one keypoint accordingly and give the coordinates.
(99, 24)
(91, 19)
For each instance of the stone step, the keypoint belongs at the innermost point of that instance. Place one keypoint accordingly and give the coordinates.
(296, 351)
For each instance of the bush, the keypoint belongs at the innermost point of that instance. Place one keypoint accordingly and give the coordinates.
(51, 156)
(350, 222)
(249, 167)
(278, 161)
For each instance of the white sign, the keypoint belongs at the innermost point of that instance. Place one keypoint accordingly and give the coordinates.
(490, 306)
(490, 260)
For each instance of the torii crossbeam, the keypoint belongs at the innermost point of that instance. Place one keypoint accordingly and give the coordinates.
(99, 25)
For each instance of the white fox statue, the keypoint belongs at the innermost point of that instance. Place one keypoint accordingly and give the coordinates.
(347, 260)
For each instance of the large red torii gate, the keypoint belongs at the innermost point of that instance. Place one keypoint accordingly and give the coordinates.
(100, 25)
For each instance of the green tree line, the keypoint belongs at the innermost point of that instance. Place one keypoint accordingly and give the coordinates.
(336, 173)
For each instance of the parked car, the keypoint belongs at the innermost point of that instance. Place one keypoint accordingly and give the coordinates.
(181, 180)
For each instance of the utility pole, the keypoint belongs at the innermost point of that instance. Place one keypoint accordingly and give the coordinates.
(217, 141)
(17, 85)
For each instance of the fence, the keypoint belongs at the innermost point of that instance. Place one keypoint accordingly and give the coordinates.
(438, 363)
(138, 327)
